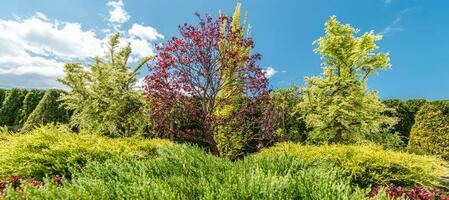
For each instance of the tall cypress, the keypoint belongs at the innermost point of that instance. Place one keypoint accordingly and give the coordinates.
(11, 107)
(30, 102)
(49, 110)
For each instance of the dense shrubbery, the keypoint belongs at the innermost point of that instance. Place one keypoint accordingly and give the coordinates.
(54, 150)
(430, 133)
(105, 168)
(368, 164)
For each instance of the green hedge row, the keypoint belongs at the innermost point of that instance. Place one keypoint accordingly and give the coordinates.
(21, 108)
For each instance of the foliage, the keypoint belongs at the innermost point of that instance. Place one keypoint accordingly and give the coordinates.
(405, 111)
(30, 102)
(204, 78)
(369, 164)
(54, 150)
(289, 125)
(337, 106)
(182, 172)
(416, 193)
(3, 94)
(49, 110)
(103, 99)
(11, 107)
(430, 133)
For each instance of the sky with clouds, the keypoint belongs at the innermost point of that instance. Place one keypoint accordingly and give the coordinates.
(37, 37)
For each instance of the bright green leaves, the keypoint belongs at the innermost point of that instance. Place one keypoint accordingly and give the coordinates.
(350, 56)
(103, 98)
(337, 106)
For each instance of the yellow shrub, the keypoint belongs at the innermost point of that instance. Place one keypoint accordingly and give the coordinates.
(54, 150)
(369, 164)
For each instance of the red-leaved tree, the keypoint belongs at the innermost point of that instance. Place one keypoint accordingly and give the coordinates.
(188, 74)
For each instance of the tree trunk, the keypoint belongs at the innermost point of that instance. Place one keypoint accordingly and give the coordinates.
(338, 136)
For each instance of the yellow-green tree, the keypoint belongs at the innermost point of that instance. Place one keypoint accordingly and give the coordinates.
(232, 132)
(103, 99)
(337, 106)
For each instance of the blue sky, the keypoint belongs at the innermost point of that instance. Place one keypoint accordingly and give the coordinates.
(37, 37)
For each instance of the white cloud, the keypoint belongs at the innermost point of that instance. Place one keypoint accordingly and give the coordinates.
(140, 38)
(145, 32)
(117, 13)
(269, 72)
(37, 47)
(387, 2)
(33, 50)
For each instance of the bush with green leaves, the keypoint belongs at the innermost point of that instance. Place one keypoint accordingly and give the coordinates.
(184, 172)
(368, 164)
(30, 102)
(54, 150)
(49, 110)
(11, 107)
(430, 133)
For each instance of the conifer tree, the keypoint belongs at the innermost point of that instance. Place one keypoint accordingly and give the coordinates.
(3, 94)
(11, 107)
(49, 110)
(337, 106)
(103, 99)
(30, 102)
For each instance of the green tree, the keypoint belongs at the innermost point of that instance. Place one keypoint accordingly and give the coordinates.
(49, 110)
(233, 132)
(337, 106)
(30, 102)
(430, 133)
(103, 99)
(11, 107)
(288, 123)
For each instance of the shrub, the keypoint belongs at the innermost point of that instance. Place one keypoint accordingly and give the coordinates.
(430, 133)
(49, 110)
(182, 172)
(54, 150)
(369, 164)
(11, 107)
